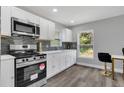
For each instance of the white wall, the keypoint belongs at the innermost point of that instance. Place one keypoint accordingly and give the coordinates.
(108, 37)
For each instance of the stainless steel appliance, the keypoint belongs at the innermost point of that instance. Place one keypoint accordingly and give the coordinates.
(23, 27)
(30, 66)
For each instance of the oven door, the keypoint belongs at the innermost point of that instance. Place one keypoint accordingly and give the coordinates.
(22, 27)
(27, 75)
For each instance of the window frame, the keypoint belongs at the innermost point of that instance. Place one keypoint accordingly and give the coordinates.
(78, 43)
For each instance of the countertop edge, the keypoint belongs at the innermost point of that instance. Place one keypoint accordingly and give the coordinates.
(6, 57)
(55, 51)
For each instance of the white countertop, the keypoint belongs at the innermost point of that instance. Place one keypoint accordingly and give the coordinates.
(56, 51)
(5, 57)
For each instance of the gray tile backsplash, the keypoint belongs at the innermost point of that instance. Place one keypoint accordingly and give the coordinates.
(65, 45)
(6, 41)
(46, 46)
(69, 45)
(23, 40)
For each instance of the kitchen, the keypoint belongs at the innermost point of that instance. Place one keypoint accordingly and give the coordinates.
(29, 38)
(41, 45)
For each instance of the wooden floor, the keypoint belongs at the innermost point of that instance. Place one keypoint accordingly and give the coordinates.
(80, 76)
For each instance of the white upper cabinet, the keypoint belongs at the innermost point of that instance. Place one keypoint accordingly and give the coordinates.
(66, 35)
(21, 14)
(43, 29)
(7, 12)
(6, 20)
(33, 18)
(51, 32)
(57, 33)
(47, 29)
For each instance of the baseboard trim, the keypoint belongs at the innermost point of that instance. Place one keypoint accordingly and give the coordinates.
(98, 66)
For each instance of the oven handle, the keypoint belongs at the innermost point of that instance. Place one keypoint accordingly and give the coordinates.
(25, 64)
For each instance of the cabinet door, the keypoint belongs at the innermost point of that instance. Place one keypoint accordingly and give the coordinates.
(66, 35)
(51, 31)
(19, 13)
(33, 18)
(56, 58)
(63, 36)
(7, 73)
(60, 62)
(70, 58)
(52, 64)
(6, 20)
(63, 61)
(69, 35)
(44, 29)
(55, 64)
(67, 59)
(74, 56)
(49, 66)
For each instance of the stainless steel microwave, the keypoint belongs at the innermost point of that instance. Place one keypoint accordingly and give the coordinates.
(23, 27)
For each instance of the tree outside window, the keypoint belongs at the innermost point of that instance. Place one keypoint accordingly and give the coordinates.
(86, 44)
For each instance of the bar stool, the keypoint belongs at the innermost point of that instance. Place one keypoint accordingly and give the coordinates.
(106, 58)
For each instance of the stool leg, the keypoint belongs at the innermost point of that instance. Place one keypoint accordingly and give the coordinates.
(113, 69)
(123, 69)
(105, 68)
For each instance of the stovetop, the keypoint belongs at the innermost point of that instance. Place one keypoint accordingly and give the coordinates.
(25, 54)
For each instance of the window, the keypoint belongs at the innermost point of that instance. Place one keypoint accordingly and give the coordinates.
(55, 43)
(85, 44)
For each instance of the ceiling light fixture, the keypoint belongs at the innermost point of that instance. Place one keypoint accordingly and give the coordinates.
(72, 21)
(55, 10)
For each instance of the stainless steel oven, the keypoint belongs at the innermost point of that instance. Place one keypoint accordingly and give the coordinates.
(23, 27)
(30, 66)
(30, 74)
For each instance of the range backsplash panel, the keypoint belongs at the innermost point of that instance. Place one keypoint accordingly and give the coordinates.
(6, 41)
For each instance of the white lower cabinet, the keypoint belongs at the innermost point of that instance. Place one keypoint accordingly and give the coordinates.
(7, 71)
(49, 65)
(62, 61)
(52, 65)
(57, 62)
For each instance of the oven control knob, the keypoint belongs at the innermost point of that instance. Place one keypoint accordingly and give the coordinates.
(34, 58)
(23, 60)
(26, 59)
(40, 57)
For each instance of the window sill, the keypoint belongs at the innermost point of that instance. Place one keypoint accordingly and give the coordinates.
(86, 57)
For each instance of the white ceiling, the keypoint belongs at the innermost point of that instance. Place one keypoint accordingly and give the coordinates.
(80, 14)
